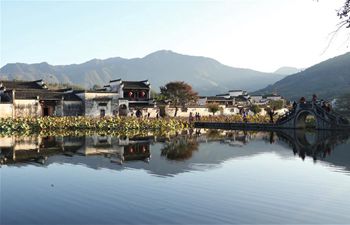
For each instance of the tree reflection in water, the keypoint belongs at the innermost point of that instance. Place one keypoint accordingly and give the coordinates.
(180, 148)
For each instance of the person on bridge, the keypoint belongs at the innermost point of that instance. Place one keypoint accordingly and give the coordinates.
(272, 114)
(190, 119)
(326, 106)
(244, 115)
(302, 100)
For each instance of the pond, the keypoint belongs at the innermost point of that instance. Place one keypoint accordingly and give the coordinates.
(194, 177)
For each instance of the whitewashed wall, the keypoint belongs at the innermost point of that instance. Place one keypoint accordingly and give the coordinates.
(7, 142)
(6, 110)
(27, 108)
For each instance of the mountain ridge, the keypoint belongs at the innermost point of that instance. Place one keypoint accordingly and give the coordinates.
(327, 79)
(206, 75)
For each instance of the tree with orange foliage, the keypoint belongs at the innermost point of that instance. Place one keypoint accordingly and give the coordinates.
(179, 93)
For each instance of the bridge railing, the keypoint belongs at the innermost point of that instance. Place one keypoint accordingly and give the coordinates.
(307, 105)
(332, 116)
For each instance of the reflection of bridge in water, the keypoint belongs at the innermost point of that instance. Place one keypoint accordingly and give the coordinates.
(314, 144)
(294, 119)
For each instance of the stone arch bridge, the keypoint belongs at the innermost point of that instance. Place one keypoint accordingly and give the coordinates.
(324, 120)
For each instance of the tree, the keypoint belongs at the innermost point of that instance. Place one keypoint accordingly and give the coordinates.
(276, 104)
(213, 108)
(63, 85)
(344, 15)
(255, 109)
(342, 105)
(96, 86)
(179, 93)
(154, 94)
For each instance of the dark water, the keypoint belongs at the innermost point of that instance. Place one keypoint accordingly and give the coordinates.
(205, 177)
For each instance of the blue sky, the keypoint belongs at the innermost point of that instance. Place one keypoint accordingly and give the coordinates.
(257, 34)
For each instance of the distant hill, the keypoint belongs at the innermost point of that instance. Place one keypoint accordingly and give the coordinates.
(286, 70)
(327, 79)
(206, 75)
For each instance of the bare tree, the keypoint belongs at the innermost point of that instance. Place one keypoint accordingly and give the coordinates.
(344, 15)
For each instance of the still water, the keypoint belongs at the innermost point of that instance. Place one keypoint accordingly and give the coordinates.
(197, 177)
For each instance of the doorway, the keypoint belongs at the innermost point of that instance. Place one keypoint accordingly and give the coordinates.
(102, 113)
(46, 111)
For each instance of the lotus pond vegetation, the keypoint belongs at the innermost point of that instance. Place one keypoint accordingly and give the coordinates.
(107, 125)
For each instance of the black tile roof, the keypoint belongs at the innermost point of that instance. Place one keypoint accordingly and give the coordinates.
(5, 97)
(71, 97)
(135, 85)
(241, 98)
(219, 98)
(45, 95)
(62, 90)
(21, 84)
(115, 80)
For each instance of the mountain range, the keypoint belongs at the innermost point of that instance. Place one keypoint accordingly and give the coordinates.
(206, 75)
(327, 79)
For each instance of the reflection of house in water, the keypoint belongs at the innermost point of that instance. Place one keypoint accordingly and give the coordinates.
(118, 149)
(108, 152)
(38, 149)
(27, 149)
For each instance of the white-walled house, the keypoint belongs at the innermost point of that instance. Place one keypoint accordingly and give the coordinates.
(33, 99)
(256, 98)
(273, 97)
(99, 103)
(138, 93)
(236, 93)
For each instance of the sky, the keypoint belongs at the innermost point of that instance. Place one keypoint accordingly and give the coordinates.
(258, 34)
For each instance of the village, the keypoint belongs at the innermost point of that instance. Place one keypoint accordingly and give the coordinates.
(124, 98)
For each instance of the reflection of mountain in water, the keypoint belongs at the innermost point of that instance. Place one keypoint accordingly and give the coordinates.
(198, 150)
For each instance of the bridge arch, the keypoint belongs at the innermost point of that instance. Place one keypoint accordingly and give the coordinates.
(300, 119)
